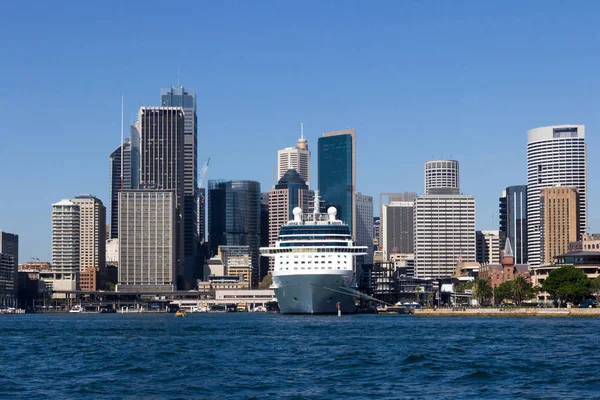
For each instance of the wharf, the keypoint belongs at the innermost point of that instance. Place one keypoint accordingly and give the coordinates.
(507, 312)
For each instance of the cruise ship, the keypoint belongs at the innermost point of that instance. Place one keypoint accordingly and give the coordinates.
(314, 264)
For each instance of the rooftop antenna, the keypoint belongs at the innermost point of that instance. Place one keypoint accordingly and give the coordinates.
(122, 139)
(301, 130)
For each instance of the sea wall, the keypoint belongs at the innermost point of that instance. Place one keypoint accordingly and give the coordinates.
(507, 312)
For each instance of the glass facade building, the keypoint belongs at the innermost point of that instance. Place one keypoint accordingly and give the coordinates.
(513, 220)
(337, 174)
(234, 209)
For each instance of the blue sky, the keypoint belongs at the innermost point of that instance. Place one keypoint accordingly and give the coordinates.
(418, 80)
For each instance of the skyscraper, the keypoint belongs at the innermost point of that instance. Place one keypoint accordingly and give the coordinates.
(488, 247)
(129, 159)
(441, 177)
(234, 217)
(186, 98)
(297, 158)
(9, 246)
(398, 228)
(559, 220)
(147, 236)
(162, 168)
(65, 245)
(364, 226)
(513, 220)
(337, 174)
(92, 240)
(556, 156)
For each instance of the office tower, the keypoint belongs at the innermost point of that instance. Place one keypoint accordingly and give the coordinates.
(297, 158)
(186, 99)
(65, 245)
(127, 157)
(444, 233)
(92, 240)
(161, 168)
(376, 233)
(337, 174)
(234, 217)
(147, 236)
(488, 247)
(201, 215)
(513, 220)
(8, 292)
(9, 245)
(556, 156)
(112, 252)
(559, 220)
(398, 228)
(364, 226)
(264, 235)
(441, 177)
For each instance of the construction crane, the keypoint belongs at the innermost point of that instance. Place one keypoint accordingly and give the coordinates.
(202, 173)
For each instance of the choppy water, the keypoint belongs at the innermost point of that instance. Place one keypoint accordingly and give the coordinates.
(255, 356)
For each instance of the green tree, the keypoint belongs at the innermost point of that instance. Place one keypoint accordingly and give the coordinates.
(567, 284)
(595, 288)
(522, 290)
(482, 290)
(461, 287)
(266, 282)
(504, 291)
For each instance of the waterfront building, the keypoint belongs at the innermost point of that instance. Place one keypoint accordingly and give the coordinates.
(364, 226)
(7, 280)
(337, 174)
(559, 220)
(513, 220)
(35, 266)
(488, 247)
(237, 261)
(587, 243)
(506, 271)
(441, 177)
(291, 191)
(65, 247)
(264, 234)
(398, 228)
(147, 235)
(234, 217)
(125, 161)
(9, 244)
(186, 99)
(92, 240)
(556, 156)
(297, 158)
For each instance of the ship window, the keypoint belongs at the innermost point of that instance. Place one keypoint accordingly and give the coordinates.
(329, 262)
(302, 262)
(295, 262)
(322, 262)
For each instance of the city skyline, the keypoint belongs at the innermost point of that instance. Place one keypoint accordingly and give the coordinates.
(459, 114)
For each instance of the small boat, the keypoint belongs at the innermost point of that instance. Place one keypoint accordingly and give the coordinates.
(76, 309)
(181, 313)
(260, 309)
(242, 307)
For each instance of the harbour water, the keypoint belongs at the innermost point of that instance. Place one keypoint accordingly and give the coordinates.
(258, 355)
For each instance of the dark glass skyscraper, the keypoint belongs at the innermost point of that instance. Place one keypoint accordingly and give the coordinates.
(513, 220)
(337, 174)
(234, 209)
(186, 98)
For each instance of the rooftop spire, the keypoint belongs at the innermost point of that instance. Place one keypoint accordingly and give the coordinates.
(301, 130)
(508, 252)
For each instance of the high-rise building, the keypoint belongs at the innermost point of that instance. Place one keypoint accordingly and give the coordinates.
(398, 228)
(513, 220)
(92, 240)
(444, 233)
(234, 217)
(291, 191)
(162, 168)
(9, 246)
(264, 234)
(337, 174)
(442, 177)
(559, 220)
(186, 98)
(376, 233)
(364, 226)
(488, 247)
(202, 214)
(556, 156)
(389, 198)
(65, 245)
(147, 235)
(297, 158)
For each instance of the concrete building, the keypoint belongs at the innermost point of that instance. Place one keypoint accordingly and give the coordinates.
(35, 266)
(9, 244)
(377, 243)
(147, 235)
(8, 292)
(389, 198)
(65, 246)
(186, 99)
(444, 234)
(488, 247)
(92, 240)
(337, 174)
(112, 252)
(124, 174)
(513, 220)
(297, 158)
(556, 156)
(441, 177)
(237, 261)
(398, 228)
(559, 221)
(364, 226)
(290, 192)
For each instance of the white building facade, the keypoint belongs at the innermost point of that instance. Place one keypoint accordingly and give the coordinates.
(488, 247)
(297, 158)
(442, 177)
(65, 245)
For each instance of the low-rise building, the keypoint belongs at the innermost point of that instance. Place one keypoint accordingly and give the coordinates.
(497, 274)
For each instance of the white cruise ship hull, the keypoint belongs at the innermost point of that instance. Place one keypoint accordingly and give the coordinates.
(314, 293)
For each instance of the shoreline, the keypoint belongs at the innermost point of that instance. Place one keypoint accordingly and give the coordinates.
(507, 312)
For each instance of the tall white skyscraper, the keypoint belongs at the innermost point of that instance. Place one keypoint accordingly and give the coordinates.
(65, 245)
(441, 177)
(556, 156)
(297, 158)
(488, 247)
(364, 224)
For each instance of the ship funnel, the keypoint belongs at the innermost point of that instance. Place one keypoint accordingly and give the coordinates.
(332, 211)
(297, 211)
